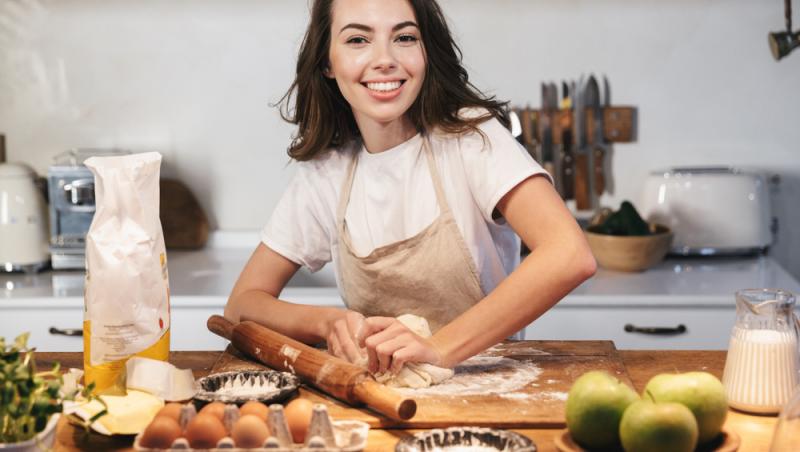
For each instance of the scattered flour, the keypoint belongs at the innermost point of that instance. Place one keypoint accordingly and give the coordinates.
(546, 395)
(514, 349)
(482, 375)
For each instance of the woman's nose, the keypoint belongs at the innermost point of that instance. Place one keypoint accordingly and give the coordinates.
(384, 57)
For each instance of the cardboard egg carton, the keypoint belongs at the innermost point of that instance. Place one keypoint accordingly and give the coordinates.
(324, 434)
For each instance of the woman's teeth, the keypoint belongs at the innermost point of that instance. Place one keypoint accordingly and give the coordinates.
(384, 86)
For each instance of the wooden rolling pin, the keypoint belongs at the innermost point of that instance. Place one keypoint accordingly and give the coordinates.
(325, 372)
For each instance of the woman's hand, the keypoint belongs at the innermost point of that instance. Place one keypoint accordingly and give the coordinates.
(390, 345)
(344, 335)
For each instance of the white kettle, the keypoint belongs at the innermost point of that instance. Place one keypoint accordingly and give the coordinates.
(24, 241)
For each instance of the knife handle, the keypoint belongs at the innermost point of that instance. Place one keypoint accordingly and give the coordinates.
(599, 177)
(583, 197)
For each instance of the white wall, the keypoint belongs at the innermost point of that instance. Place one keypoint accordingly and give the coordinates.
(193, 79)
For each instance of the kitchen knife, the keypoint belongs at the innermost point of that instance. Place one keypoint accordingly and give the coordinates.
(327, 373)
(592, 104)
(583, 200)
(546, 132)
(566, 159)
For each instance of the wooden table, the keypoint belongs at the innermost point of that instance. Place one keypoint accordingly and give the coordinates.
(755, 431)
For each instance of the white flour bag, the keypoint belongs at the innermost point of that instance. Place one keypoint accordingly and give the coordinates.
(126, 300)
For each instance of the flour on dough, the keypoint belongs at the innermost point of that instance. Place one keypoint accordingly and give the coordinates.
(415, 375)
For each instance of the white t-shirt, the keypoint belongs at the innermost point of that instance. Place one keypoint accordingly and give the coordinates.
(393, 198)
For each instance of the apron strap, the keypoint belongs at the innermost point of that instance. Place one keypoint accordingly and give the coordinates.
(437, 180)
(344, 196)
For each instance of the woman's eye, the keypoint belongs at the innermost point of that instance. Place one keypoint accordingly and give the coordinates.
(357, 40)
(407, 39)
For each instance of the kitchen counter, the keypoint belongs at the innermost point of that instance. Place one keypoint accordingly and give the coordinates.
(755, 431)
(694, 295)
(205, 278)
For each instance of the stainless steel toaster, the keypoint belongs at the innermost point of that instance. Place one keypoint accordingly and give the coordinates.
(711, 210)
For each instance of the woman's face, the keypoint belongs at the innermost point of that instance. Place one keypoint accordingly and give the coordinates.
(376, 57)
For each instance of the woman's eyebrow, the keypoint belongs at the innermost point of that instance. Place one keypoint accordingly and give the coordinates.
(366, 28)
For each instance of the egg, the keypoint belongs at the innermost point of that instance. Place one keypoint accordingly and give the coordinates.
(256, 408)
(172, 410)
(160, 433)
(204, 431)
(298, 416)
(249, 431)
(215, 408)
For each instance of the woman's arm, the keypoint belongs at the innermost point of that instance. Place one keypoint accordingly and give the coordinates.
(254, 297)
(560, 260)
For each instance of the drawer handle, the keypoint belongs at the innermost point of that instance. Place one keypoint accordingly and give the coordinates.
(66, 331)
(656, 330)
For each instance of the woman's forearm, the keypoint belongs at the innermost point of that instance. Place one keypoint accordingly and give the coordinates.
(540, 281)
(305, 323)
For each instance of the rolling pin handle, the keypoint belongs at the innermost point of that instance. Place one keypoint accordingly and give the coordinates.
(220, 326)
(385, 402)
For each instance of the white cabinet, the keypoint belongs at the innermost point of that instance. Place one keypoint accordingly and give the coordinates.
(38, 319)
(650, 327)
(189, 331)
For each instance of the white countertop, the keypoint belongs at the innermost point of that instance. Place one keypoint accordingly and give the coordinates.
(696, 292)
(205, 278)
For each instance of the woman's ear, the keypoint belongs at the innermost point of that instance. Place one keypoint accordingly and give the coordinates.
(326, 71)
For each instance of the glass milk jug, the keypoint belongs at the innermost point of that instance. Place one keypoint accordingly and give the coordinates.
(761, 369)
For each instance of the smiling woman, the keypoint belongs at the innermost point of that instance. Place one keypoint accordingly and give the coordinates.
(409, 181)
(379, 70)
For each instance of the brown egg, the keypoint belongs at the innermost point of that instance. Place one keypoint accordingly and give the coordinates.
(256, 408)
(204, 431)
(298, 416)
(249, 431)
(215, 408)
(172, 410)
(160, 433)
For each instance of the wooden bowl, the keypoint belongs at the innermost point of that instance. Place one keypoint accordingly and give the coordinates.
(630, 253)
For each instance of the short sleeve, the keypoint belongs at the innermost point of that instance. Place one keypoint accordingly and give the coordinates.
(301, 226)
(495, 164)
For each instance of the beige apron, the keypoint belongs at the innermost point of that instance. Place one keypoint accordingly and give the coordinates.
(431, 274)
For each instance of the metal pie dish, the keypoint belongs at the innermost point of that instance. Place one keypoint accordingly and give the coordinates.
(459, 438)
(265, 386)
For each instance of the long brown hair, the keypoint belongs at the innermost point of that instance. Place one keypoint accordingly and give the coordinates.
(325, 119)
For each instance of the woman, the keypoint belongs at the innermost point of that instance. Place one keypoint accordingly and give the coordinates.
(410, 182)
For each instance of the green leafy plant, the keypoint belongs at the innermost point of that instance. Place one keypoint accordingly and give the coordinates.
(28, 398)
(625, 221)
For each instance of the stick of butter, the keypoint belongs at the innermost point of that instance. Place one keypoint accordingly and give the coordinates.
(127, 415)
(160, 378)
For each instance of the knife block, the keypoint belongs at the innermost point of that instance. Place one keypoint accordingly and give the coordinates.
(580, 174)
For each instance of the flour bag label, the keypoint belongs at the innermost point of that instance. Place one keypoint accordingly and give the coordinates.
(126, 299)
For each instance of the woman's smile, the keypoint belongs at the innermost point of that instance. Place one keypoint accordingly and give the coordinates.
(383, 86)
(384, 91)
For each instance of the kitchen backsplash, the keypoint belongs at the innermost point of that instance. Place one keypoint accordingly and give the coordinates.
(196, 81)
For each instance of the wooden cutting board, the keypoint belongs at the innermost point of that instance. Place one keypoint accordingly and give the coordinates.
(513, 385)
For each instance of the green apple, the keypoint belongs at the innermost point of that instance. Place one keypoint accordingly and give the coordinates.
(595, 404)
(648, 426)
(701, 392)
